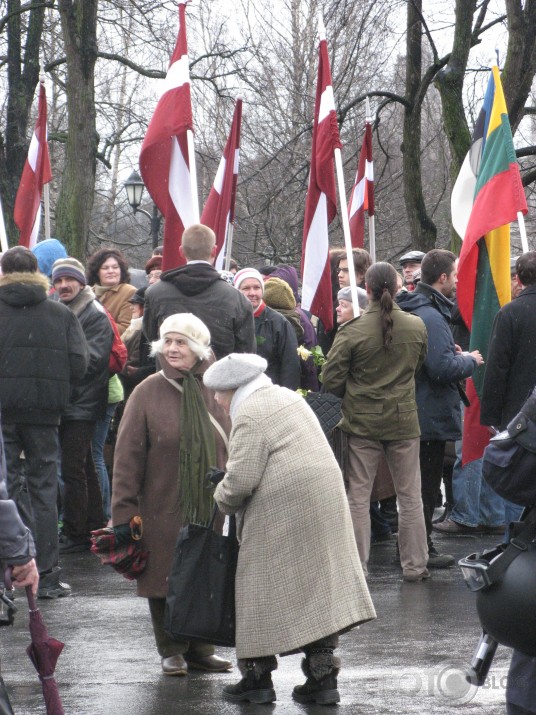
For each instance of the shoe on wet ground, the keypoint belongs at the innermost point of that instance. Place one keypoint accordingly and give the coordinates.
(50, 585)
(439, 561)
(174, 665)
(449, 527)
(73, 546)
(209, 663)
(252, 690)
(416, 577)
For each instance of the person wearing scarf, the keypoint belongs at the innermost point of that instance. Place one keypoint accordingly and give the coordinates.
(171, 433)
(299, 581)
(276, 338)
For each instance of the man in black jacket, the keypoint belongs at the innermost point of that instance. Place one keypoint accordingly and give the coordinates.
(198, 288)
(43, 351)
(511, 365)
(82, 499)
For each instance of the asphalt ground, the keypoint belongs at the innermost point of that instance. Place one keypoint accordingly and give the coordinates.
(410, 660)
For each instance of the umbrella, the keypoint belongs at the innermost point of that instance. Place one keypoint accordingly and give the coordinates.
(124, 555)
(44, 652)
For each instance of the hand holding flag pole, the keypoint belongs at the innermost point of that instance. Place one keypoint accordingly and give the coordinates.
(342, 201)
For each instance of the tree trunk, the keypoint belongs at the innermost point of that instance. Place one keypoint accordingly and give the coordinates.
(423, 229)
(75, 202)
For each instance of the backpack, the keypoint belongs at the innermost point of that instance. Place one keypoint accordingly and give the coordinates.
(118, 353)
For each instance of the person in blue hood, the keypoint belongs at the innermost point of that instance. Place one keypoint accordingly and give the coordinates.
(47, 252)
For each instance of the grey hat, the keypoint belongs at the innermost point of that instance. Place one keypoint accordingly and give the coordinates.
(233, 371)
(412, 257)
(346, 294)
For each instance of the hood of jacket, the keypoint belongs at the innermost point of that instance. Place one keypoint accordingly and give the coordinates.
(193, 278)
(425, 296)
(20, 289)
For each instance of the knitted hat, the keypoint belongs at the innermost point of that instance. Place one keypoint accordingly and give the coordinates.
(346, 294)
(153, 264)
(139, 296)
(246, 273)
(192, 328)
(234, 370)
(47, 252)
(278, 294)
(68, 268)
(188, 325)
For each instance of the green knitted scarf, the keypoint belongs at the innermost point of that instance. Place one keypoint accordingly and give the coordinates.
(197, 453)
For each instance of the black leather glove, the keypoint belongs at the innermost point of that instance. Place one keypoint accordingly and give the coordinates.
(215, 475)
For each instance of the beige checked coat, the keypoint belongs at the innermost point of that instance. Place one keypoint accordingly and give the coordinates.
(299, 577)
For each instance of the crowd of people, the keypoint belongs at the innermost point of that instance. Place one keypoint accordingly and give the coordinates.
(214, 366)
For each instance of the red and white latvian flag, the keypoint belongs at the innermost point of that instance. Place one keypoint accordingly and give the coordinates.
(321, 201)
(219, 208)
(36, 173)
(164, 158)
(362, 197)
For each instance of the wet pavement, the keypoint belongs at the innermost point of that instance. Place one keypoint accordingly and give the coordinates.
(410, 660)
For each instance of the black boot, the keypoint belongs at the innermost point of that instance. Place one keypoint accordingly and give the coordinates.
(321, 668)
(256, 686)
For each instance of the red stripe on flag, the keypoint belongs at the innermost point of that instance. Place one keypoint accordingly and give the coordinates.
(362, 196)
(219, 207)
(35, 174)
(321, 201)
(164, 158)
(475, 435)
(496, 204)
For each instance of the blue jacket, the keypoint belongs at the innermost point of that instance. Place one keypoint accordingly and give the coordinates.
(438, 397)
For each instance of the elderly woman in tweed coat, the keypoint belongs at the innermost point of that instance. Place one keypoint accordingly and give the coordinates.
(299, 581)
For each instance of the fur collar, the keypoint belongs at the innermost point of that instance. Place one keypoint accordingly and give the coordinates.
(26, 277)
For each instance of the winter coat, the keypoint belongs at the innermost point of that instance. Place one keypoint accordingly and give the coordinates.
(115, 300)
(511, 363)
(42, 351)
(377, 385)
(198, 288)
(16, 543)
(278, 345)
(299, 577)
(438, 396)
(89, 397)
(146, 470)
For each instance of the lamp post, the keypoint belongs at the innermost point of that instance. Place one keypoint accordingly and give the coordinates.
(134, 187)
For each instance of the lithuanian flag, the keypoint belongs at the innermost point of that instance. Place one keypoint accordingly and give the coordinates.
(484, 266)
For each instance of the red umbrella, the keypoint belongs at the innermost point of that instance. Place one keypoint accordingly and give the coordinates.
(44, 652)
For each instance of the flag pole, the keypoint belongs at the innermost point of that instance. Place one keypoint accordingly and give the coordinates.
(372, 226)
(46, 189)
(343, 203)
(229, 246)
(3, 234)
(193, 172)
(522, 232)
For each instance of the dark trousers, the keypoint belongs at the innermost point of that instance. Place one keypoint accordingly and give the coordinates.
(40, 446)
(82, 499)
(431, 455)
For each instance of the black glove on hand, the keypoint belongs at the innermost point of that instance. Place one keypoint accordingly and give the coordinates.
(215, 475)
(122, 534)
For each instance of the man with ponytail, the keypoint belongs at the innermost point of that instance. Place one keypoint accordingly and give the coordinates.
(372, 366)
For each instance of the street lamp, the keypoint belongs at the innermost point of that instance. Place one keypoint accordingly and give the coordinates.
(134, 187)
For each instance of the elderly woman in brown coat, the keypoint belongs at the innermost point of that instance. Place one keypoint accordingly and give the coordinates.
(299, 581)
(171, 433)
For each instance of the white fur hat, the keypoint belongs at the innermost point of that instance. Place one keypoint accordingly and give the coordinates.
(191, 327)
(233, 371)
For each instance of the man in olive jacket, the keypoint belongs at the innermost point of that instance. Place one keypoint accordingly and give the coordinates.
(43, 352)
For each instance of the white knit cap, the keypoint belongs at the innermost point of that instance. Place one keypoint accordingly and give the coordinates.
(191, 327)
(246, 273)
(234, 370)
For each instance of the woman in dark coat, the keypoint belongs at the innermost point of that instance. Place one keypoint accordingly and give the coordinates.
(170, 419)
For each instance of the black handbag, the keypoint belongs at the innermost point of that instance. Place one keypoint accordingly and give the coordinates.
(327, 408)
(200, 603)
(509, 464)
